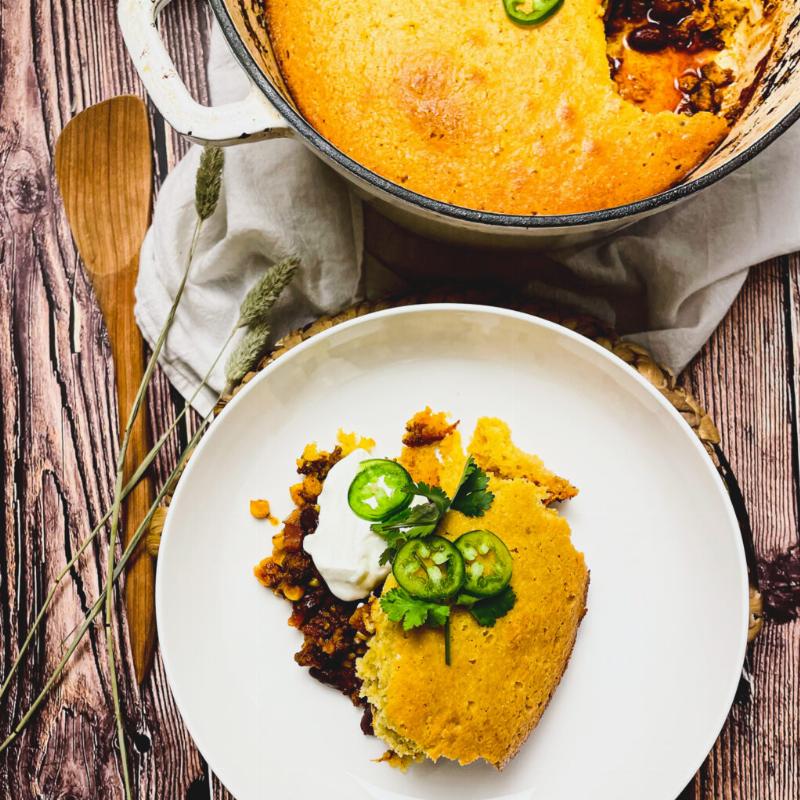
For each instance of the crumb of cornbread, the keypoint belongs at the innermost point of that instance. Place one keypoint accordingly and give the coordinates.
(352, 441)
(398, 762)
(486, 703)
(438, 464)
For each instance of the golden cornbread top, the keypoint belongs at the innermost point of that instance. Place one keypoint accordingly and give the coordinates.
(501, 678)
(458, 103)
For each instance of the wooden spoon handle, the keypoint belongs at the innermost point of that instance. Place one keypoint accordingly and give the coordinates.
(115, 291)
(104, 167)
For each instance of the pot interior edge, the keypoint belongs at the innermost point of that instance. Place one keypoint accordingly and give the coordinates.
(249, 17)
(775, 94)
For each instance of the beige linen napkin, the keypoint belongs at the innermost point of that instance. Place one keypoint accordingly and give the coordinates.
(675, 274)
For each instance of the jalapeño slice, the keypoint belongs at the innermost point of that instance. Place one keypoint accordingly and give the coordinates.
(430, 569)
(381, 488)
(534, 11)
(488, 563)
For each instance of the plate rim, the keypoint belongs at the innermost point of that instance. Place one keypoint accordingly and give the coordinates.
(593, 347)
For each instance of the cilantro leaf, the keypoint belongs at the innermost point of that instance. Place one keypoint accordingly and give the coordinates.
(472, 497)
(434, 494)
(410, 523)
(399, 606)
(489, 609)
(438, 614)
(414, 521)
(405, 525)
(422, 520)
(466, 600)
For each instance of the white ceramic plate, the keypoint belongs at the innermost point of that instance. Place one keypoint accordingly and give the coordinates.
(658, 655)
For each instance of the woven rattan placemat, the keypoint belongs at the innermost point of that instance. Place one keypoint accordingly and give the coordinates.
(636, 356)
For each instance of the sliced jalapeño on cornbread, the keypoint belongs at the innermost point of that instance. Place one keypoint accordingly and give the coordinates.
(429, 569)
(488, 562)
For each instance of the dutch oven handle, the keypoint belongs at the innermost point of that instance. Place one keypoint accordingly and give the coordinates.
(245, 121)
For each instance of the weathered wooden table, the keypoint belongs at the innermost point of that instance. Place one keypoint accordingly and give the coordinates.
(58, 422)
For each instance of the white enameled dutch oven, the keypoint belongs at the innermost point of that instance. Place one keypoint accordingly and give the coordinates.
(270, 112)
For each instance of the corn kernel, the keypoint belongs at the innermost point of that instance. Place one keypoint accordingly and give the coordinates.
(312, 486)
(259, 509)
(293, 593)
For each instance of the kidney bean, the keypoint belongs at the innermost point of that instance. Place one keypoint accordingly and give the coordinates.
(648, 39)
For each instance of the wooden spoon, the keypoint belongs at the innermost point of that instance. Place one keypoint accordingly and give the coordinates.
(104, 168)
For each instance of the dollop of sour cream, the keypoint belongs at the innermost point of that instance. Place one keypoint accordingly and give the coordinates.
(344, 549)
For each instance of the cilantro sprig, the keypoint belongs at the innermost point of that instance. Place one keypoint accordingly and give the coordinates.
(411, 523)
(413, 612)
(400, 606)
(471, 498)
(435, 495)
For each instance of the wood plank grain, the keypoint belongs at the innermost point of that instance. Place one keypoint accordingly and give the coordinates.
(58, 419)
(747, 378)
(55, 404)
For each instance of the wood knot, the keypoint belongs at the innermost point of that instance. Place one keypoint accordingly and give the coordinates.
(26, 188)
(142, 742)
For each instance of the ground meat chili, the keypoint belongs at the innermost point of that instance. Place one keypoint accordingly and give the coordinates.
(688, 27)
(702, 89)
(334, 632)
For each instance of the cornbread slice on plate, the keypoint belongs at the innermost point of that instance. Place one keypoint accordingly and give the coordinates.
(493, 694)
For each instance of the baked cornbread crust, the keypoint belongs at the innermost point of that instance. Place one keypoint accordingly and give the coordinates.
(460, 104)
(486, 703)
(494, 452)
